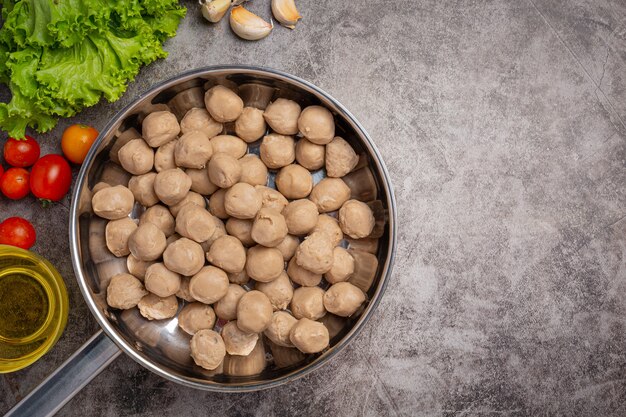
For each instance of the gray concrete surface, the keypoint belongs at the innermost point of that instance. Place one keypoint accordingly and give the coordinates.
(503, 126)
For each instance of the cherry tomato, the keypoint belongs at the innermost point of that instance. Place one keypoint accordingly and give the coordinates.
(14, 183)
(76, 142)
(50, 178)
(1, 171)
(21, 153)
(16, 231)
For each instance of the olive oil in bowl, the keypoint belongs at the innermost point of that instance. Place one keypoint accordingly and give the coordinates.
(33, 307)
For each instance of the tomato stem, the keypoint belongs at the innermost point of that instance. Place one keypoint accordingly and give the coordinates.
(45, 203)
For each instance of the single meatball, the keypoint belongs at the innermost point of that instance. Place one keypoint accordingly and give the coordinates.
(241, 229)
(136, 157)
(191, 198)
(330, 194)
(343, 299)
(300, 216)
(269, 228)
(310, 155)
(142, 187)
(161, 281)
(207, 349)
(238, 342)
(309, 336)
(264, 264)
(294, 181)
(195, 222)
(117, 233)
(200, 182)
(161, 217)
(253, 170)
(209, 285)
(183, 292)
(282, 116)
(113, 203)
(308, 302)
(254, 312)
(195, 317)
(280, 327)
(223, 104)
(154, 307)
(288, 247)
(193, 150)
(147, 242)
(271, 198)
(315, 253)
(302, 276)
(230, 145)
(172, 185)
(279, 291)
(124, 291)
(164, 157)
(159, 128)
(356, 219)
(277, 151)
(226, 307)
(136, 267)
(216, 204)
(184, 256)
(340, 158)
(240, 278)
(316, 124)
(200, 119)
(228, 253)
(250, 126)
(224, 170)
(329, 226)
(343, 266)
(242, 201)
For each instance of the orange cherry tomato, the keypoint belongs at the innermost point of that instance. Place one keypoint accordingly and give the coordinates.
(76, 142)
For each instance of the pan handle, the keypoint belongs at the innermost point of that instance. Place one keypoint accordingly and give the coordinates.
(65, 382)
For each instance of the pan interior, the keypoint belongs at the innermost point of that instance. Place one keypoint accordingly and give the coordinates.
(161, 345)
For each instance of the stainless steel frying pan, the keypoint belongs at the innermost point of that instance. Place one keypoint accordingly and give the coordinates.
(161, 346)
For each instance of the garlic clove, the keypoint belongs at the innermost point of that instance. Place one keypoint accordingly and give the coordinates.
(214, 10)
(247, 25)
(286, 13)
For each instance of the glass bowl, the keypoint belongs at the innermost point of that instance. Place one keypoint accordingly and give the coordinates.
(33, 307)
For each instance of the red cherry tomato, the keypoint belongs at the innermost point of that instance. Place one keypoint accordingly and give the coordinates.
(21, 153)
(14, 183)
(1, 171)
(16, 231)
(50, 178)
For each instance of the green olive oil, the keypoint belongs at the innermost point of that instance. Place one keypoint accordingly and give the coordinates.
(23, 306)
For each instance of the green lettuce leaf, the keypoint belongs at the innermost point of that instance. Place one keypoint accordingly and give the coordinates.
(61, 56)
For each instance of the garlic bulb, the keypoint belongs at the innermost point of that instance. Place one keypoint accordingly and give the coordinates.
(286, 13)
(247, 25)
(214, 10)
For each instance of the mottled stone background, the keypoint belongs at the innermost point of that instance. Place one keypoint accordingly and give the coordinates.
(503, 126)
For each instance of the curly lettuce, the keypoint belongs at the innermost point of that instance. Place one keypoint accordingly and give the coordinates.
(58, 57)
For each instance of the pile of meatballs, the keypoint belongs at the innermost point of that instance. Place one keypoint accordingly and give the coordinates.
(256, 256)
